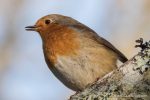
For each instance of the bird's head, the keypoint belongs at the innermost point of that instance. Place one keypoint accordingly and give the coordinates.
(50, 23)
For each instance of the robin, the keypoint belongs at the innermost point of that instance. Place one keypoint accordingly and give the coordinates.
(75, 54)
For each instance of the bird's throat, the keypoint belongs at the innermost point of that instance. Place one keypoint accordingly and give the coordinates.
(62, 42)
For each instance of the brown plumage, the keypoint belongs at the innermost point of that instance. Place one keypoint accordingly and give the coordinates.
(75, 53)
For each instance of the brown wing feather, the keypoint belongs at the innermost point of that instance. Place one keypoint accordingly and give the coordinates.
(121, 56)
(89, 32)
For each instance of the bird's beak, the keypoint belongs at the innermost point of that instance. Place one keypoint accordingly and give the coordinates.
(31, 28)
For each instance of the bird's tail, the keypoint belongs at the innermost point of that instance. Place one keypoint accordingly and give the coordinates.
(122, 58)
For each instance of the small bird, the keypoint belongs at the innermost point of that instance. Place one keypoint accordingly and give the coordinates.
(74, 53)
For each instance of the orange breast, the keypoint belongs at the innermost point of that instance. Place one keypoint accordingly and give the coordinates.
(61, 41)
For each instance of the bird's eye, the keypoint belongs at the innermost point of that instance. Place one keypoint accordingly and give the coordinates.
(47, 21)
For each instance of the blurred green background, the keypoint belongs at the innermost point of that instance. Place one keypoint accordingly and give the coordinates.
(24, 74)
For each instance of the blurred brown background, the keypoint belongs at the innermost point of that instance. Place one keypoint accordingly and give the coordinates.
(23, 72)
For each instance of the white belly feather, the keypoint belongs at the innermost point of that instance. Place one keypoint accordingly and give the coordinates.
(78, 71)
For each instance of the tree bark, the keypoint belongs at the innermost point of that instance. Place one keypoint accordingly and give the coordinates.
(131, 81)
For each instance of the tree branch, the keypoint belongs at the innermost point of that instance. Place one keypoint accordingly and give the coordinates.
(131, 81)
